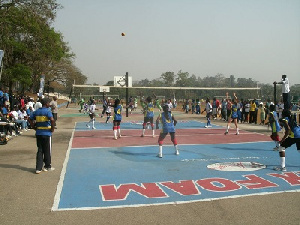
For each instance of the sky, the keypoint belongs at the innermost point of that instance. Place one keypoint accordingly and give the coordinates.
(258, 39)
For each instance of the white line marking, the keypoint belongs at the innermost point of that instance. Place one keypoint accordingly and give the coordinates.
(177, 203)
(62, 175)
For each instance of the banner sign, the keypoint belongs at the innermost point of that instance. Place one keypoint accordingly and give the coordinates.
(42, 85)
(1, 57)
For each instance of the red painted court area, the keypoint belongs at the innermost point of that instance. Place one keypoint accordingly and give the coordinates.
(104, 138)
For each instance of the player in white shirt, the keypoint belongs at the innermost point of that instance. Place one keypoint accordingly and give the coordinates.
(92, 115)
(108, 111)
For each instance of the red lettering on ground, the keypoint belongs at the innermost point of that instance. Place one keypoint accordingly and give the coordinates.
(185, 187)
(210, 184)
(291, 177)
(149, 190)
(255, 182)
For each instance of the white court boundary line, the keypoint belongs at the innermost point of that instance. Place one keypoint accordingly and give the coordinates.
(177, 202)
(64, 169)
(170, 145)
(62, 175)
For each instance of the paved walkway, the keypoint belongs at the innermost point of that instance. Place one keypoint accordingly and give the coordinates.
(27, 198)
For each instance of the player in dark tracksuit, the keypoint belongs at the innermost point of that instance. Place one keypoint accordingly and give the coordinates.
(43, 122)
(291, 136)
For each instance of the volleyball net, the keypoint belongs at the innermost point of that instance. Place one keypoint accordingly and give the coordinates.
(179, 93)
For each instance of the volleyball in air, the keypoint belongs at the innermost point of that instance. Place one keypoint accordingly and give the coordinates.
(123, 34)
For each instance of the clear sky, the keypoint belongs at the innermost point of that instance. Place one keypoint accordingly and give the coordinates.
(258, 39)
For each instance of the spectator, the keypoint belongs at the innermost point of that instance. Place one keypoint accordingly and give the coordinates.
(15, 118)
(285, 91)
(44, 130)
(229, 107)
(247, 111)
(214, 108)
(262, 113)
(22, 116)
(170, 105)
(208, 110)
(252, 111)
(54, 109)
(224, 109)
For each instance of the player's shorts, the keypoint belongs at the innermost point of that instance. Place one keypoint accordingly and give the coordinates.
(148, 119)
(92, 115)
(208, 115)
(288, 142)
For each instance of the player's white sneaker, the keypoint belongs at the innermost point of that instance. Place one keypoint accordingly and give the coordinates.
(176, 152)
(48, 169)
(88, 126)
(94, 128)
(226, 132)
(237, 133)
(159, 155)
(279, 168)
(276, 148)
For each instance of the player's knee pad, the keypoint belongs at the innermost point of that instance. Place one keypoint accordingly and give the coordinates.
(281, 149)
(174, 141)
(275, 137)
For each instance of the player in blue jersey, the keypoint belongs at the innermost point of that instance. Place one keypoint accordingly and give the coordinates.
(291, 136)
(234, 114)
(168, 126)
(43, 122)
(148, 109)
(117, 119)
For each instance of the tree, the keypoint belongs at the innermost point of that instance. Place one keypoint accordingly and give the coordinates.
(182, 79)
(29, 40)
(21, 74)
(168, 78)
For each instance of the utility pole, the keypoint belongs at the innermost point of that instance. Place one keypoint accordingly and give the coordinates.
(127, 103)
(275, 92)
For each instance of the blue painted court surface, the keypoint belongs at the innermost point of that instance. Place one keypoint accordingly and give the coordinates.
(182, 124)
(95, 178)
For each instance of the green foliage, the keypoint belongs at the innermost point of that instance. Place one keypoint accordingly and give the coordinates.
(168, 78)
(28, 39)
(21, 73)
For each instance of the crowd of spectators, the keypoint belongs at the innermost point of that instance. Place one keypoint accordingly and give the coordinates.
(14, 113)
(251, 111)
